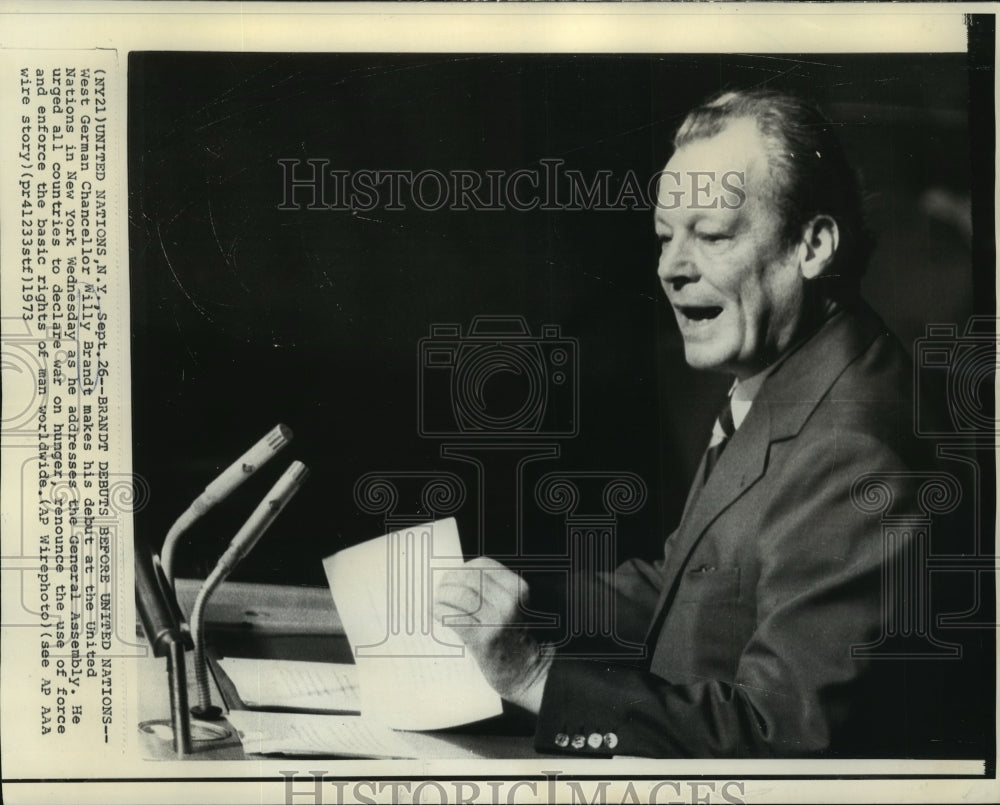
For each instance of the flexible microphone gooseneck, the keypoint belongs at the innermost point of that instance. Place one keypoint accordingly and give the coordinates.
(223, 486)
(253, 529)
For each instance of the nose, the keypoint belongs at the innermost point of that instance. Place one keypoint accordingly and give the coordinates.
(677, 265)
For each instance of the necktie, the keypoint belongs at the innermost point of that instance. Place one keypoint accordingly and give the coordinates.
(728, 428)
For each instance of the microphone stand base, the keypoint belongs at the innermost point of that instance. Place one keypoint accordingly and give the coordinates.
(208, 713)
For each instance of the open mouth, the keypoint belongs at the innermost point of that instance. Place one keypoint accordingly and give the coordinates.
(699, 313)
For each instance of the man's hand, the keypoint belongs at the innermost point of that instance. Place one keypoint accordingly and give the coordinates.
(479, 601)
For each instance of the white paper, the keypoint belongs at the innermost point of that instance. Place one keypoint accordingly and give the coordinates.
(294, 683)
(265, 733)
(415, 674)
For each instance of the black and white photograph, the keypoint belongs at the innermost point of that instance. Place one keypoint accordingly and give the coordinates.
(559, 421)
(477, 287)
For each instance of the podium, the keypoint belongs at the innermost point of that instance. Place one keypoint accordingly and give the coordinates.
(283, 622)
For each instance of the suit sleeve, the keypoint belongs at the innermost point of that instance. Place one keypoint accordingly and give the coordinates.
(636, 586)
(633, 588)
(796, 686)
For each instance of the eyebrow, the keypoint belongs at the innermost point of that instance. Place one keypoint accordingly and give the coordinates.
(694, 216)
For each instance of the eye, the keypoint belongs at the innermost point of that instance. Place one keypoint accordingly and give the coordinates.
(713, 237)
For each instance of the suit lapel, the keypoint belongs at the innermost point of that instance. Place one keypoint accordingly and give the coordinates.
(783, 405)
(739, 467)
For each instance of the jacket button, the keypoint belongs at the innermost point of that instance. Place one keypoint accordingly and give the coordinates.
(579, 742)
(562, 739)
(610, 740)
(594, 740)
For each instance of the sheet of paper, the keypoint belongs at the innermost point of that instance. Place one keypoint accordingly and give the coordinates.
(414, 673)
(294, 683)
(265, 733)
(268, 733)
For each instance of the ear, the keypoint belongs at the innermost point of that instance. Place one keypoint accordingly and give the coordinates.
(820, 238)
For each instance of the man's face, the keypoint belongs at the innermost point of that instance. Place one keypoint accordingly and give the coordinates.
(736, 292)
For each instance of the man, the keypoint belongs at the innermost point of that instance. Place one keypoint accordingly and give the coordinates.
(773, 573)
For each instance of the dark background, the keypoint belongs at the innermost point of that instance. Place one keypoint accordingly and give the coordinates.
(245, 315)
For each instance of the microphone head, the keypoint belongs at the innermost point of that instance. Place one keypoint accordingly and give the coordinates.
(223, 486)
(296, 473)
(266, 512)
(279, 436)
(285, 488)
(246, 465)
(273, 441)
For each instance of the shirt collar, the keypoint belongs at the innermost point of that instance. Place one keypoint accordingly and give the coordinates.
(742, 393)
(746, 390)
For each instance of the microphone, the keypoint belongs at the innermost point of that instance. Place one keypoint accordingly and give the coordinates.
(253, 529)
(267, 512)
(221, 488)
(162, 624)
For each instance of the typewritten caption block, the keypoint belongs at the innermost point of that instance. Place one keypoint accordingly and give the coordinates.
(67, 493)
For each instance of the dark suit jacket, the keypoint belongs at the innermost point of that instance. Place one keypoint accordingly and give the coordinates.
(770, 578)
